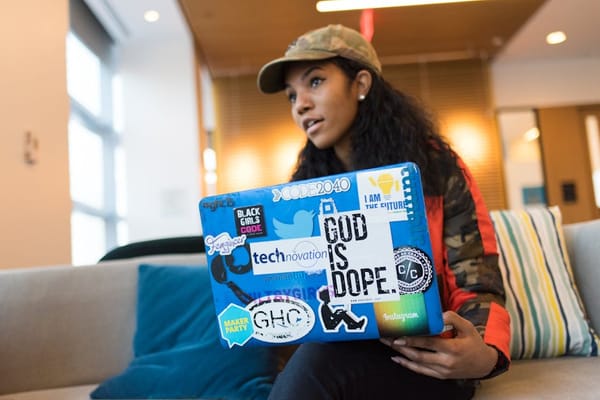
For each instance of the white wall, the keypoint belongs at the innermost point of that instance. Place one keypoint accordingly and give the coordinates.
(35, 203)
(530, 73)
(160, 137)
(546, 83)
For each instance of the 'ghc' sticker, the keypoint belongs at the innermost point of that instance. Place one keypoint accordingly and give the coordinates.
(414, 270)
(280, 319)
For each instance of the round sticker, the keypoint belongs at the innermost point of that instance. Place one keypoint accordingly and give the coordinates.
(414, 270)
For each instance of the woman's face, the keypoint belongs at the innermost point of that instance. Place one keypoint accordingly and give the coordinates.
(324, 103)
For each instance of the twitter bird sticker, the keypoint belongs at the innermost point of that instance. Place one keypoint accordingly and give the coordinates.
(302, 225)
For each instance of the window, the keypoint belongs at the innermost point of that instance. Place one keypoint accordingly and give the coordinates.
(593, 138)
(96, 159)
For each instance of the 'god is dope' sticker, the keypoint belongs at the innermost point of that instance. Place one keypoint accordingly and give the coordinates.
(414, 270)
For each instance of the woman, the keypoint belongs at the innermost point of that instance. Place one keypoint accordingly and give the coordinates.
(354, 119)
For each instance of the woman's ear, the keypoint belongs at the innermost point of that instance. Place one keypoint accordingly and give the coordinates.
(363, 79)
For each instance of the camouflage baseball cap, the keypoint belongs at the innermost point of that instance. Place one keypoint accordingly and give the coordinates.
(319, 44)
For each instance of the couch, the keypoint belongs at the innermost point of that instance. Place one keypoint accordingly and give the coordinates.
(65, 329)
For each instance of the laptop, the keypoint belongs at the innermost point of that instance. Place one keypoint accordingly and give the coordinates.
(341, 257)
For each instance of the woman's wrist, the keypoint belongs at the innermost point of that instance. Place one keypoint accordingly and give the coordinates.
(500, 366)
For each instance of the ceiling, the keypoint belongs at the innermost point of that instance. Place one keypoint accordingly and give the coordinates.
(239, 36)
(577, 18)
(242, 38)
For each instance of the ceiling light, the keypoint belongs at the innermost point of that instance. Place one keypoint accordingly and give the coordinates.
(344, 5)
(209, 157)
(556, 37)
(151, 16)
(531, 134)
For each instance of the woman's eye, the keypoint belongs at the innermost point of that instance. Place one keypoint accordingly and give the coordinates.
(314, 82)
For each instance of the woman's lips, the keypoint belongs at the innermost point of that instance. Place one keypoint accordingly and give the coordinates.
(310, 126)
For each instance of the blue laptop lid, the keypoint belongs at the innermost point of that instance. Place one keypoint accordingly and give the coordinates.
(342, 257)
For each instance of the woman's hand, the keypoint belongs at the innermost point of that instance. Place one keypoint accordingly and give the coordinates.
(465, 356)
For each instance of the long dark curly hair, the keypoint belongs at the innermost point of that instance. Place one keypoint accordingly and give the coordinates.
(390, 127)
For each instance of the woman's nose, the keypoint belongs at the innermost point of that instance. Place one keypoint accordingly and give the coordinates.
(302, 103)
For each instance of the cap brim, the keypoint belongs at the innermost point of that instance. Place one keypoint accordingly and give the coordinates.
(270, 78)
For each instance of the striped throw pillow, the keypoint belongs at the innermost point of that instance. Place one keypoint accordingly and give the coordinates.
(547, 315)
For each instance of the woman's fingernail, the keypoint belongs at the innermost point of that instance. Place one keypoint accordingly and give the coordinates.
(400, 342)
(397, 359)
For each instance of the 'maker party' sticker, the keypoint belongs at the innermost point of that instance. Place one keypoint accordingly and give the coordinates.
(236, 325)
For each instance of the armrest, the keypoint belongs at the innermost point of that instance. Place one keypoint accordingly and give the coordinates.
(63, 326)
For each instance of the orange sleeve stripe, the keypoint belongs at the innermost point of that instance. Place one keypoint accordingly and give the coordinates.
(486, 228)
(459, 297)
(497, 331)
(435, 216)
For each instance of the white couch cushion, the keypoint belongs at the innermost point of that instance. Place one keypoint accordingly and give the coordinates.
(583, 241)
(545, 379)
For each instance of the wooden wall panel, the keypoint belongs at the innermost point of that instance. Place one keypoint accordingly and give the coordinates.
(566, 160)
(257, 142)
(458, 95)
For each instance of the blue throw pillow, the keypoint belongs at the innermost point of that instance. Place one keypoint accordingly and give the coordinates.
(177, 352)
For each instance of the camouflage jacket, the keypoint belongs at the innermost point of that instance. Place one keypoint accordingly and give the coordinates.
(466, 259)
